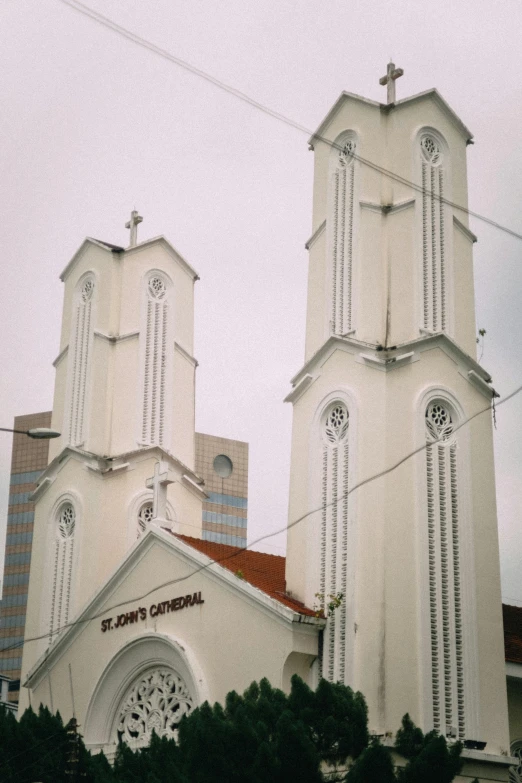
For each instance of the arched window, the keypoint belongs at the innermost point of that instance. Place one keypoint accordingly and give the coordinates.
(79, 360)
(64, 529)
(334, 537)
(156, 701)
(156, 360)
(343, 166)
(444, 569)
(146, 515)
(434, 252)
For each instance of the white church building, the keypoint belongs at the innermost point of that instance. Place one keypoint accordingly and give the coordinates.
(130, 629)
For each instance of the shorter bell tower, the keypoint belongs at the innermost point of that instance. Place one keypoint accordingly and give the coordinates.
(124, 402)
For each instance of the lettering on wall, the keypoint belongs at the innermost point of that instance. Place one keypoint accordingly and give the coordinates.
(141, 613)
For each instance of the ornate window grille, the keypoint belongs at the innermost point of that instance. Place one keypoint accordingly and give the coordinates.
(157, 701)
(62, 569)
(79, 359)
(342, 233)
(145, 516)
(446, 619)
(156, 362)
(334, 538)
(515, 772)
(434, 261)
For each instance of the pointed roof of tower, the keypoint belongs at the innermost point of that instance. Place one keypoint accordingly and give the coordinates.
(89, 241)
(432, 94)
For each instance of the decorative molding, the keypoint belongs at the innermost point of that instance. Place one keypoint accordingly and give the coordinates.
(300, 388)
(186, 355)
(114, 469)
(389, 362)
(116, 338)
(40, 489)
(86, 244)
(481, 384)
(194, 487)
(315, 236)
(177, 257)
(347, 96)
(61, 355)
(514, 670)
(388, 209)
(464, 230)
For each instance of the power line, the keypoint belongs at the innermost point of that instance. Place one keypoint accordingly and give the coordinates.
(242, 96)
(238, 552)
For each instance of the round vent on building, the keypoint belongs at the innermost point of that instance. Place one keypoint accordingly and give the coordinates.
(223, 466)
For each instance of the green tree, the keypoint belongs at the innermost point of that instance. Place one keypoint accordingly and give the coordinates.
(262, 736)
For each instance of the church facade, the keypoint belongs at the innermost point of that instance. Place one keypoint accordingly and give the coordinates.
(392, 580)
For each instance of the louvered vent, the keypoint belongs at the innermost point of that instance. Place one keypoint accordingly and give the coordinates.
(334, 539)
(62, 570)
(433, 235)
(447, 672)
(342, 238)
(155, 362)
(79, 358)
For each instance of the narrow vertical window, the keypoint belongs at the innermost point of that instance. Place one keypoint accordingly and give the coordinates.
(155, 360)
(79, 358)
(446, 633)
(434, 277)
(342, 236)
(334, 539)
(65, 524)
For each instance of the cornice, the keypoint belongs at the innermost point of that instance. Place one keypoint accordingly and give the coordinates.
(186, 355)
(115, 338)
(161, 240)
(156, 535)
(388, 209)
(315, 236)
(87, 242)
(60, 356)
(106, 467)
(464, 230)
(432, 94)
(385, 360)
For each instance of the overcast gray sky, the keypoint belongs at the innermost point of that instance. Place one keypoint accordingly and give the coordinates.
(93, 125)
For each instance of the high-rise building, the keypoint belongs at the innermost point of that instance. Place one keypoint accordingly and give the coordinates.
(29, 459)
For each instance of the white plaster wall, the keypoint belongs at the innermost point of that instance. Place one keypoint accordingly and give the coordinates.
(388, 258)
(232, 638)
(104, 506)
(391, 666)
(113, 407)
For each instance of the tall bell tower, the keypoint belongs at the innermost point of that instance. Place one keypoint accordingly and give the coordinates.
(392, 454)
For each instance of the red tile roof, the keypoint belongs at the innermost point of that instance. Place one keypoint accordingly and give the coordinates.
(266, 572)
(513, 633)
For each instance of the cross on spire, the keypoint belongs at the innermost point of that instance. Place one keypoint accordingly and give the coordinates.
(392, 73)
(133, 223)
(158, 483)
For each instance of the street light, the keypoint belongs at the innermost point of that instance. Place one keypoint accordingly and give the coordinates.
(38, 433)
